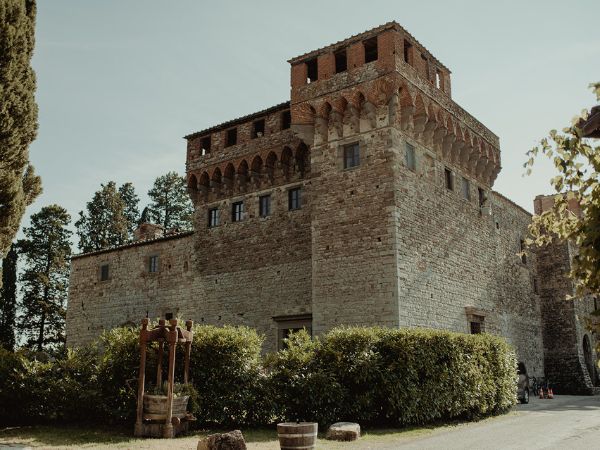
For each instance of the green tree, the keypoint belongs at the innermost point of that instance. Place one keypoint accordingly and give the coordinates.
(8, 300)
(104, 224)
(130, 211)
(577, 163)
(171, 206)
(44, 281)
(19, 185)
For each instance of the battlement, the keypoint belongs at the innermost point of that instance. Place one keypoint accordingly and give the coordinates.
(387, 48)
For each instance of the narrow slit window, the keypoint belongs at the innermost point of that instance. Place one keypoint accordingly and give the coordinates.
(237, 211)
(294, 199)
(153, 264)
(411, 162)
(370, 49)
(258, 128)
(231, 137)
(407, 51)
(286, 120)
(438, 79)
(448, 179)
(351, 155)
(213, 217)
(341, 63)
(466, 189)
(104, 272)
(312, 71)
(264, 205)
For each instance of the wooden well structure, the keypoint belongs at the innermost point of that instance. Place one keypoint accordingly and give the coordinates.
(164, 423)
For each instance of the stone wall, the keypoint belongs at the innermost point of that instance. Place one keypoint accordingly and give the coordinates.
(131, 291)
(564, 320)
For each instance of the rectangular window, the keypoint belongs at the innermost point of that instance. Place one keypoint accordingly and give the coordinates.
(466, 189)
(481, 196)
(231, 137)
(286, 120)
(448, 179)
(237, 211)
(258, 128)
(153, 264)
(286, 325)
(475, 327)
(205, 145)
(312, 71)
(438, 79)
(264, 205)
(294, 199)
(340, 61)
(104, 272)
(168, 316)
(407, 51)
(536, 291)
(411, 162)
(213, 217)
(370, 49)
(351, 155)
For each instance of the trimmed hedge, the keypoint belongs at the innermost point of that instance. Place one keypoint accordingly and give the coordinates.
(368, 375)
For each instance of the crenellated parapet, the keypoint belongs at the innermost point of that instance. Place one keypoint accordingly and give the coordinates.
(401, 85)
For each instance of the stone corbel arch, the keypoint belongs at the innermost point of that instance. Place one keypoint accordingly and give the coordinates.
(351, 117)
(420, 115)
(431, 125)
(449, 138)
(407, 106)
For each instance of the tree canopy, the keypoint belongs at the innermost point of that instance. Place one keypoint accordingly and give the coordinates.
(44, 281)
(19, 185)
(577, 162)
(170, 204)
(105, 221)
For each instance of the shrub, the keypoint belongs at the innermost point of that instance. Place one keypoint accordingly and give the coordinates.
(382, 375)
(369, 375)
(225, 369)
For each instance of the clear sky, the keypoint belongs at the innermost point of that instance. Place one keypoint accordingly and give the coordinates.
(121, 82)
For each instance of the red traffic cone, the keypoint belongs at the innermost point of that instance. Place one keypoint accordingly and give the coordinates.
(542, 392)
(550, 393)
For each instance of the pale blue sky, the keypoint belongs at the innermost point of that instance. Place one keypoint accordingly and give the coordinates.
(120, 82)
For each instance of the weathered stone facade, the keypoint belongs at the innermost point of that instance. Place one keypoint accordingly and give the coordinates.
(402, 230)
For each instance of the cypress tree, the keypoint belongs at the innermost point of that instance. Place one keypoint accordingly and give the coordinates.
(45, 278)
(19, 185)
(171, 206)
(8, 300)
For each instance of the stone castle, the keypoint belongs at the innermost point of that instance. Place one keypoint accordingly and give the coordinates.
(365, 200)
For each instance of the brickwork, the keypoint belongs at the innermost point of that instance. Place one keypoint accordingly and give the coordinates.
(357, 231)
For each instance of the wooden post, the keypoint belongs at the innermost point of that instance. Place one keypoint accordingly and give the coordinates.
(172, 340)
(161, 324)
(188, 352)
(141, 380)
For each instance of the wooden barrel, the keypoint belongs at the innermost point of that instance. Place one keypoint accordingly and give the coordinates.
(296, 436)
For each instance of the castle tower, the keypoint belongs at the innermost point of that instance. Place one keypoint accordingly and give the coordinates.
(376, 111)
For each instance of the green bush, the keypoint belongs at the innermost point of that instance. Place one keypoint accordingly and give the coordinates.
(225, 368)
(369, 375)
(382, 375)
